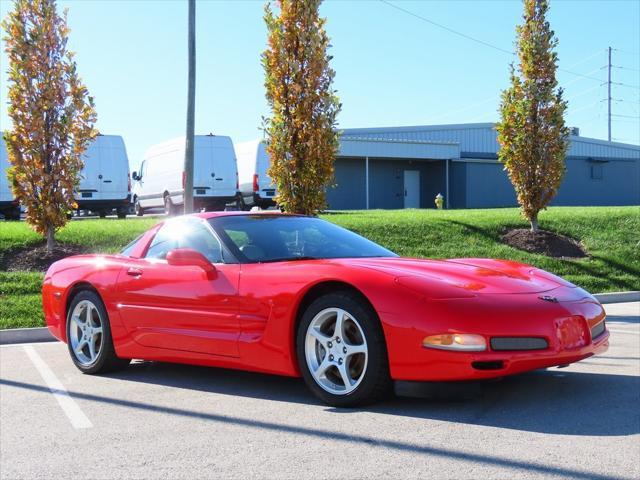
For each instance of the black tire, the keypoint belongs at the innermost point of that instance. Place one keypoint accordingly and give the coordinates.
(169, 208)
(122, 212)
(376, 383)
(137, 208)
(106, 360)
(13, 214)
(102, 214)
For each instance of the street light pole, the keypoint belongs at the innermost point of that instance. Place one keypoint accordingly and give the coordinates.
(187, 181)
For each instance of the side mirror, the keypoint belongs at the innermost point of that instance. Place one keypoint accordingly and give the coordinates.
(187, 257)
(135, 176)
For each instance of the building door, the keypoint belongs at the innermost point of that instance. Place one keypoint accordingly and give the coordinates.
(412, 189)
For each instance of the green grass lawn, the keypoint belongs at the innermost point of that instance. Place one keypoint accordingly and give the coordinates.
(611, 236)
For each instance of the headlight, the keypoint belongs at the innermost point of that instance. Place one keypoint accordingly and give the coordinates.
(466, 342)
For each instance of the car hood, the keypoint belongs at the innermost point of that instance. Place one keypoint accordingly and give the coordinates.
(466, 276)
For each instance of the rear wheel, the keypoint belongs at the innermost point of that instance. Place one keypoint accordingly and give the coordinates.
(89, 335)
(122, 212)
(102, 214)
(13, 214)
(169, 208)
(341, 351)
(137, 208)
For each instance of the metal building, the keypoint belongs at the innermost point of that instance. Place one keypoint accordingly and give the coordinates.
(406, 167)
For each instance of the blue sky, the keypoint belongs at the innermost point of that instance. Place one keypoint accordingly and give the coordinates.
(391, 68)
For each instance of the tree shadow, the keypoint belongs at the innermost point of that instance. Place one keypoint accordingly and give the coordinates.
(577, 264)
(359, 440)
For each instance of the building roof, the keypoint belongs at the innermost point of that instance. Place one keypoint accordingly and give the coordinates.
(481, 138)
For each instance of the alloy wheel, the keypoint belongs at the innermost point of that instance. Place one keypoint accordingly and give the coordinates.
(336, 351)
(85, 332)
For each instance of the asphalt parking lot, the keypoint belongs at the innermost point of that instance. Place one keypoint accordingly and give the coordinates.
(159, 420)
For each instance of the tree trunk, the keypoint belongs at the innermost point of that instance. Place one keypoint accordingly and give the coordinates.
(534, 224)
(50, 239)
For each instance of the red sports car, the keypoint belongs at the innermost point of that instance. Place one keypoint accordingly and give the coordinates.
(298, 296)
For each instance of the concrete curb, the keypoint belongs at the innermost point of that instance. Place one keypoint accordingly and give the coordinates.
(42, 334)
(618, 297)
(26, 335)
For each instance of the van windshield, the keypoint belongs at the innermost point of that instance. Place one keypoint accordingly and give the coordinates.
(281, 238)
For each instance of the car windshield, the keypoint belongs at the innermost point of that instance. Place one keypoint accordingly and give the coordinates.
(281, 238)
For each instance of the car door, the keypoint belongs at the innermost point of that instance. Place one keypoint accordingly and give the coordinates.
(181, 307)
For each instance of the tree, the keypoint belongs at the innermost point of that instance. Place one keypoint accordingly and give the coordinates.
(532, 134)
(52, 114)
(302, 141)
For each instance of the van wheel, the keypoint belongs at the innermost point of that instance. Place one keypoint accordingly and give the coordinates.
(122, 212)
(137, 208)
(102, 213)
(169, 208)
(13, 214)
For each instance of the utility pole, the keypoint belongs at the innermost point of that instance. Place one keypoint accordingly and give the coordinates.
(609, 96)
(187, 180)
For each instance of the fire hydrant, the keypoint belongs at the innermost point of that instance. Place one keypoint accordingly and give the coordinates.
(439, 201)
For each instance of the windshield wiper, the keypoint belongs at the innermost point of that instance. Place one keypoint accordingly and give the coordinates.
(289, 259)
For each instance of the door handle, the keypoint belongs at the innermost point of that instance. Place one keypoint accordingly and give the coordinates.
(134, 272)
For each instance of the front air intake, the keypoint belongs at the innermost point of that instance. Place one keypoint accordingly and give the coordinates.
(518, 343)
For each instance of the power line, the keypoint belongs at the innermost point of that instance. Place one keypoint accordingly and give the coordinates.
(620, 84)
(625, 68)
(473, 39)
(580, 62)
(450, 30)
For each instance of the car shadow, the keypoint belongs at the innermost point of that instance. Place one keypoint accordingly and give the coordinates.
(547, 401)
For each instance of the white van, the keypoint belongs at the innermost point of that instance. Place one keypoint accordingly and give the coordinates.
(9, 206)
(160, 180)
(256, 187)
(105, 184)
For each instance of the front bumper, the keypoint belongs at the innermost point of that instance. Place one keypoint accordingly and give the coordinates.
(572, 330)
(489, 364)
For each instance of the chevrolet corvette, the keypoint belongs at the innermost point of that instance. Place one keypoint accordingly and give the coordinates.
(299, 296)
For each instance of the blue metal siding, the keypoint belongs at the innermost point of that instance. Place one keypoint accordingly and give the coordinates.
(457, 185)
(349, 190)
(485, 184)
(619, 185)
(386, 183)
(488, 186)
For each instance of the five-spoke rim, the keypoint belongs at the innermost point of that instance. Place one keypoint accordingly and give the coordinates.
(85, 332)
(336, 351)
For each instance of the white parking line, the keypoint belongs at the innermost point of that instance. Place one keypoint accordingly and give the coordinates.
(35, 344)
(630, 332)
(71, 409)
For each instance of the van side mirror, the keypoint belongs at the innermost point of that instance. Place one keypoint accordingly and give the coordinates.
(135, 176)
(188, 257)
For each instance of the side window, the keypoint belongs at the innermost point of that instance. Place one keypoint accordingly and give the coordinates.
(198, 237)
(188, 233)
(126, 251)
(164, 241)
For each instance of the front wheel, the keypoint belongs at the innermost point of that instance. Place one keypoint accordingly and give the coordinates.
(89, 335)
(341, 351)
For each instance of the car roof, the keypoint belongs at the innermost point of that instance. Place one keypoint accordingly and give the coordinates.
(207, 215)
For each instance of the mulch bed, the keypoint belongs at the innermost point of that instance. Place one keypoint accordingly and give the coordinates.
(35, 257)
(544, 242)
